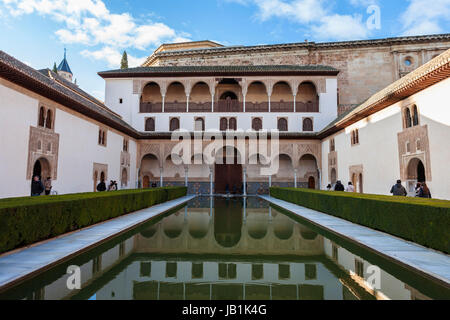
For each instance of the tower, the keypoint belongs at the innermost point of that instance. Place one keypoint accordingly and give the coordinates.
(64, 69)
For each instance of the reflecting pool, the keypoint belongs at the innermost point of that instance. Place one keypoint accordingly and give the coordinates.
(229, 249)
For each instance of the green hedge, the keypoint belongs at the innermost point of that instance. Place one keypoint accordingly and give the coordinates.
(31, 219)
(423, 221)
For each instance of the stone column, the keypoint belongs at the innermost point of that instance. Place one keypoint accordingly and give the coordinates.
(245, 181)
(187, 103)
(163, 102)
(295, 105)
(295, 178)
(211, 183)
(212, 103)
(186, 176)
(270, 181)
(161, 179)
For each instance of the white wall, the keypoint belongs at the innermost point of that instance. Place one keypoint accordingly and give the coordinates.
(78, 148)
(129, 110)
(378, 149)
(19, 112)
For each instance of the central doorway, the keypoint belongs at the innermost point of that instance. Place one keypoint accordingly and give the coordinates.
(228, 177)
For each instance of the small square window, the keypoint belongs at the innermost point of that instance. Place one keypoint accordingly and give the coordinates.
(120, 100)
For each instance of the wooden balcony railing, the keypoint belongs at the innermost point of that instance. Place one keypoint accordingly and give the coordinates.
(307, 107)
(149, 107)
(257, 107)
(200, 107)
(281, 106)
(175, 107)
(228, 106)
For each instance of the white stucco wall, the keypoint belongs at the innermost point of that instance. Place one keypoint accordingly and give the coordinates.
(19, 112)
(378, 149)
(78, 148)
(129, 109)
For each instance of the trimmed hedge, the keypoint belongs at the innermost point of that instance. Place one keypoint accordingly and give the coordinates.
(423, 221)
(28, 220)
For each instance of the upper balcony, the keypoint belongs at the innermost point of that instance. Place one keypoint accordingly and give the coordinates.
(230, 95)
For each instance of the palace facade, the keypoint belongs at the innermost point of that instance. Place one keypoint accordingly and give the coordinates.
(369, 112)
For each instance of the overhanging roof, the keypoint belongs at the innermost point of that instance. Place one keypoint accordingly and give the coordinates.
(246, 70)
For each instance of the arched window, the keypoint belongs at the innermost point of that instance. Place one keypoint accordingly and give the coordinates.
(103, 138)
(41, 117)
(48, 121)
(332, 145)
(307, 125)
(232, 124)
(174, 124)
(257, 124)
(415, 116)
(282, 124)
(100, 136)
(408, 122)
(223, 124)
(150, 124)
(199, 124)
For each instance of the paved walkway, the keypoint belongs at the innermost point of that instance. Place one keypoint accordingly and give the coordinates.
(425, 260)
(18, 265)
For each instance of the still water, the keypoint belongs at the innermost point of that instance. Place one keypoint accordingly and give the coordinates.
(229, 249)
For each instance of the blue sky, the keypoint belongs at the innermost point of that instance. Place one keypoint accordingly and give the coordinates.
(96, 32)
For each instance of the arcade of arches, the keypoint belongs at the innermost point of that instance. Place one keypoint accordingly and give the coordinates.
(298, 166)
(230, 95)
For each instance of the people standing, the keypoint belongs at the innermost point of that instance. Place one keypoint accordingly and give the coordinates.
(48, 186)
(399, 190)
(339, 186)
(36, 187)
(424, 191)
(101, 186)
(329, 187)
(350, 187)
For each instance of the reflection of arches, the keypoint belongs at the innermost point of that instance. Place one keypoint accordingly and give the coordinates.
(150, 232)
(198, 224)
(257, 225)
(283, 227)
(227, 222)
(307, 233)
(173, 225)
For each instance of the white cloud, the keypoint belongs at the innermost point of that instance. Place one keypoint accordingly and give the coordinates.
(425, 17)
(89, 22)
(316, 15)
(112, 56)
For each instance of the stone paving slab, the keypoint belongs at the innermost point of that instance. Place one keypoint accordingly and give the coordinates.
(428, 261)
(18, 265)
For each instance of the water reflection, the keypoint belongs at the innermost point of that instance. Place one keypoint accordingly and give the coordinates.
(221, 249)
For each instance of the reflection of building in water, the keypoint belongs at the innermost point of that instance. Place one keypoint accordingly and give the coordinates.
(196, 254)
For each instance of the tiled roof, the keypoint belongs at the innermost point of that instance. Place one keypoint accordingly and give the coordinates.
(59, 91)
(64, 65)
(218, 70)
(434, 71)
(299, 45)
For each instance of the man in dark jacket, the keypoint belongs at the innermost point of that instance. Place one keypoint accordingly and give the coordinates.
(101, 186)
(36, 187)
(339, 186)
(399, 190)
